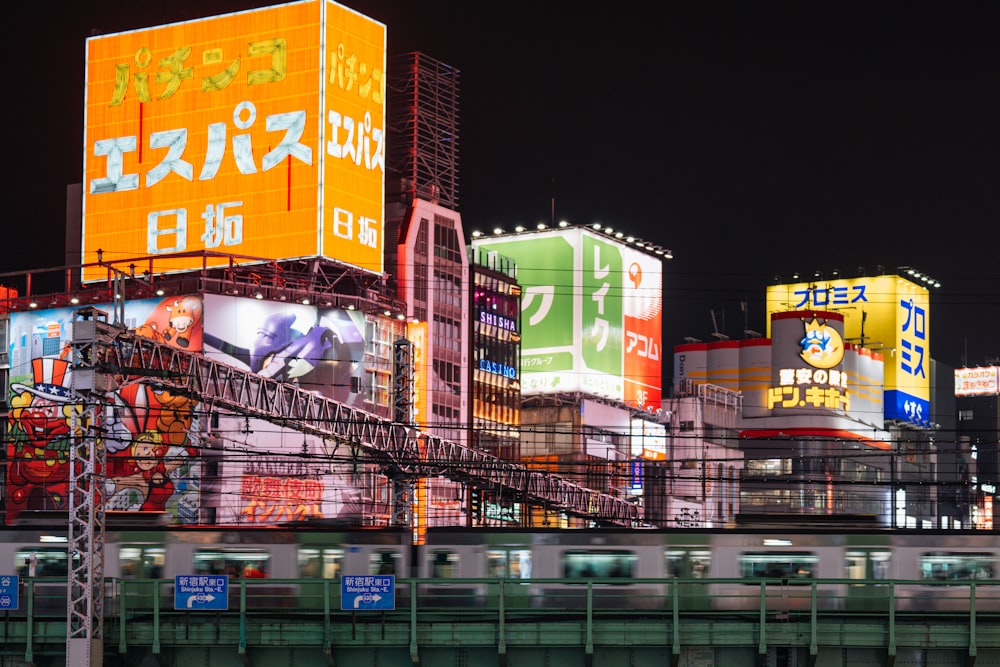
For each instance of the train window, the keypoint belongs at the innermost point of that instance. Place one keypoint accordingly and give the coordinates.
(509, 563)
(141, 562)
(444, 564)
(688, 563)
(864, 564)
(384, 561)
(49, 561)
(778, 565)
(580, 564)
(324, 563)
(945, 565)
(236, 562)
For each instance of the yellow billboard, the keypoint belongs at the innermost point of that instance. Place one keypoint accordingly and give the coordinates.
(888, 314)
(258, 135)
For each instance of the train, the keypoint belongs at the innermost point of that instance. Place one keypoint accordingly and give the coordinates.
(635, 569)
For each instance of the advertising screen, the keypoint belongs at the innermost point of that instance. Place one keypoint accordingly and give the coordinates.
(318, 349)
(648, 440)
(888, 314)
(258, 135)
(977, 381)
(591, 315)
(282, 476)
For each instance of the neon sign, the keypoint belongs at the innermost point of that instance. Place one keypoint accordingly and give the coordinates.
(499, 321)
(498, 368)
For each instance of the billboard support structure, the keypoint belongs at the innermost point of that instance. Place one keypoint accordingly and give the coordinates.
(85, 599)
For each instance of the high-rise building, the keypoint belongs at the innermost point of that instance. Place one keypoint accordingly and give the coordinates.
(495, 381)
(425, 246)
(496, 356)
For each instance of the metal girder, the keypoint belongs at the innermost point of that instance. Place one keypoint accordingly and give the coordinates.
(401, 448)
(85, 541)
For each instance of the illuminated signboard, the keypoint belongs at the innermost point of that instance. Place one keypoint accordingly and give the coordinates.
(281, 478)
(258, 134)
(591, 315)
(416, 333)
(268, 498)
(498, 368)
(807, 363)
(152, 444)
(649, 440)
(977, 381)
(315, 348)
(888, 314)
(499, 321)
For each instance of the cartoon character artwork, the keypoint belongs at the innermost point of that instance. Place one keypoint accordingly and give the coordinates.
(148, 458)
(176, 321)
(41, 419)
(324, 356)
(822, 345)
(151, 472)
(185, 314)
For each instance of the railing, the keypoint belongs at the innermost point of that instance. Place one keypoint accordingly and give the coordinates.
(507, 612)
(784, 598)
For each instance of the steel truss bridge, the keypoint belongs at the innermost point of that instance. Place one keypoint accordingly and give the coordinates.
(106, 357)
(403, 451)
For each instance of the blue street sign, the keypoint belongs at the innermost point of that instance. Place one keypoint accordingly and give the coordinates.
(8, 591)
(376, 592)
(201, 592)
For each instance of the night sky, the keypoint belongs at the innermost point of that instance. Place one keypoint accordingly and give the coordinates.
(753, 141)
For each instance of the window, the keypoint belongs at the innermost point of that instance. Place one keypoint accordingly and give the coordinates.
(49, 561)
(688, 563)
(142, 562)
(944, 565)
(864, 564)
(384, 561)
(444, 564)
(778, 565)
(509, 563)
(768, 467)
(581, 564)
(326, 563)
(236, 562)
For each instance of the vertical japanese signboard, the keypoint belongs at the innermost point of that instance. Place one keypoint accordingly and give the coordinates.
(591, 315)
(888, 314)
(257, 134)
(417, 333)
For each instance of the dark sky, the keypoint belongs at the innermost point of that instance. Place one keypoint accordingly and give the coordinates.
(753, 141)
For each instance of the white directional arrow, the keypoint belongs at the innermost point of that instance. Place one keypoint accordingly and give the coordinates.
(367, 597)
(199, 597)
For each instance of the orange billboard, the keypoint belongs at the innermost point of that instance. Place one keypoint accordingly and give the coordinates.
(418, 332)
(258, 135)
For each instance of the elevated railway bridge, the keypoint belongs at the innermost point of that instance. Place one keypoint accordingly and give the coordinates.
(106, 357)
(120, 357)
(266, 625)
(133, 622)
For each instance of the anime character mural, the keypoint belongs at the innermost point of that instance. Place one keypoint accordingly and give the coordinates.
(41, 419)
(151, 452)
(320, 350)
